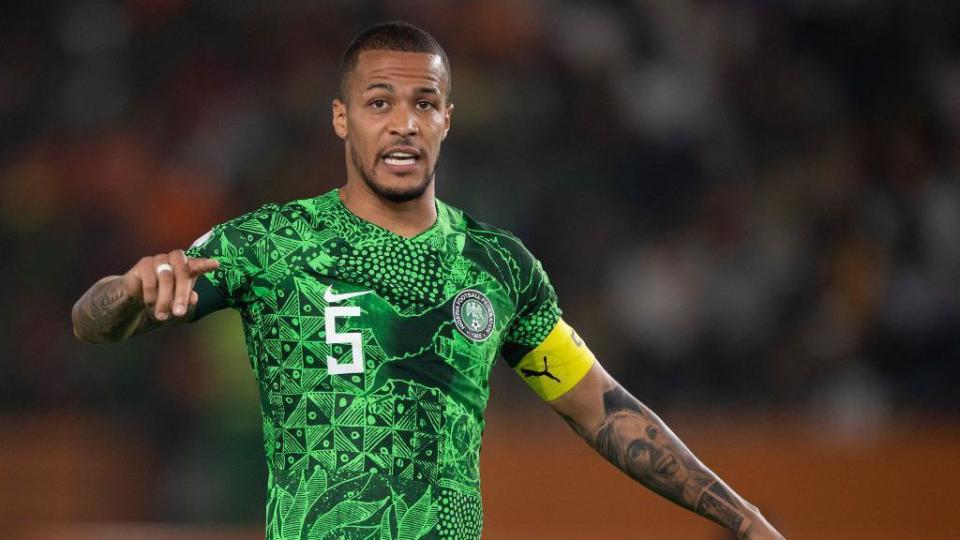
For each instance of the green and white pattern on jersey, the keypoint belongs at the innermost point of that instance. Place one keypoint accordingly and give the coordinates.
(381, 440)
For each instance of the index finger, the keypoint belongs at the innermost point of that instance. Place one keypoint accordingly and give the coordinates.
(197, 266)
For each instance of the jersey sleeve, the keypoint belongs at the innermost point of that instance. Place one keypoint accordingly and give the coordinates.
(537, 309)
(540, 347)
(238, 245)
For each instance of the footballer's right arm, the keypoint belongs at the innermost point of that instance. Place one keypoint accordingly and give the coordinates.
(118, 307)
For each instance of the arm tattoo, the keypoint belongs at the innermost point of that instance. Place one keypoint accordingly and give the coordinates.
(634, 439)
(105, 313)
(576, 427)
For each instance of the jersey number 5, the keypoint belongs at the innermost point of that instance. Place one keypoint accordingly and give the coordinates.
(355, 339)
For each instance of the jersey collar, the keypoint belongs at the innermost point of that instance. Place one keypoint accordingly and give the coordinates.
(441, 226)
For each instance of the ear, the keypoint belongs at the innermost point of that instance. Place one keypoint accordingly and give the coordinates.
(340, 118)
(446, 120)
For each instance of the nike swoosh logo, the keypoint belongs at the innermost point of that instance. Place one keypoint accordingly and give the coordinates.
(332, 298)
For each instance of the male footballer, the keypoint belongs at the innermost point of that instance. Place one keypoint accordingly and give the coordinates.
(373, 314)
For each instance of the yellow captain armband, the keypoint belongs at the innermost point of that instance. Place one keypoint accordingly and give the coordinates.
(556, 365)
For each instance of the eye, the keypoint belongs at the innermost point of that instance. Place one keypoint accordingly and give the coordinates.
(636, 449)
(378, 104)
(424, 105)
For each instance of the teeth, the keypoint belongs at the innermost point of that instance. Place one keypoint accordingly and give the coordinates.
(400, 155)
(396, 161)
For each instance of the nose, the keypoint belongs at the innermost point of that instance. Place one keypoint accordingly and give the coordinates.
(403, 122)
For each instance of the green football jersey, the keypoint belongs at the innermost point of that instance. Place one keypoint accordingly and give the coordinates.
(373, 353)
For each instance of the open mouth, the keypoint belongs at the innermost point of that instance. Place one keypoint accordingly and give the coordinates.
(667, 465)
(401, 158)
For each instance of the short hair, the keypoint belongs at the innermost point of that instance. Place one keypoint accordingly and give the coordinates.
(391, 36)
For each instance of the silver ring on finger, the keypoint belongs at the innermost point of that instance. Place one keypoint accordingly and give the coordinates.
(164, 267)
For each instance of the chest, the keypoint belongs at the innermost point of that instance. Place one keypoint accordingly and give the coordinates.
(349, 316)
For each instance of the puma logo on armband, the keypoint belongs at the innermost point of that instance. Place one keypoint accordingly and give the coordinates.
(531, 373)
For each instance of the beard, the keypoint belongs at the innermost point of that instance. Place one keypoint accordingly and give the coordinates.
(395, 194)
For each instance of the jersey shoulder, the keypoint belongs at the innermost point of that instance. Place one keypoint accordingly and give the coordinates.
(257, 238)
(298, 214)
(506, 243)
(264, 217)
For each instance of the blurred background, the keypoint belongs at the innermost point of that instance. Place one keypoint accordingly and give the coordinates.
(750, 211)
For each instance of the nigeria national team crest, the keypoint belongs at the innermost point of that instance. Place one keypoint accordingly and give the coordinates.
(473, 314)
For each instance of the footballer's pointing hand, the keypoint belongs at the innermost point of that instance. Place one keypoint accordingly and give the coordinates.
(157, 291)
(165, 283)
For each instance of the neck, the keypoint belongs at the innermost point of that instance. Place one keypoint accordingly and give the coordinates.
(406, 219)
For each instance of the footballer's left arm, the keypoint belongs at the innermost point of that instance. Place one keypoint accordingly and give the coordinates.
(631, 436)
